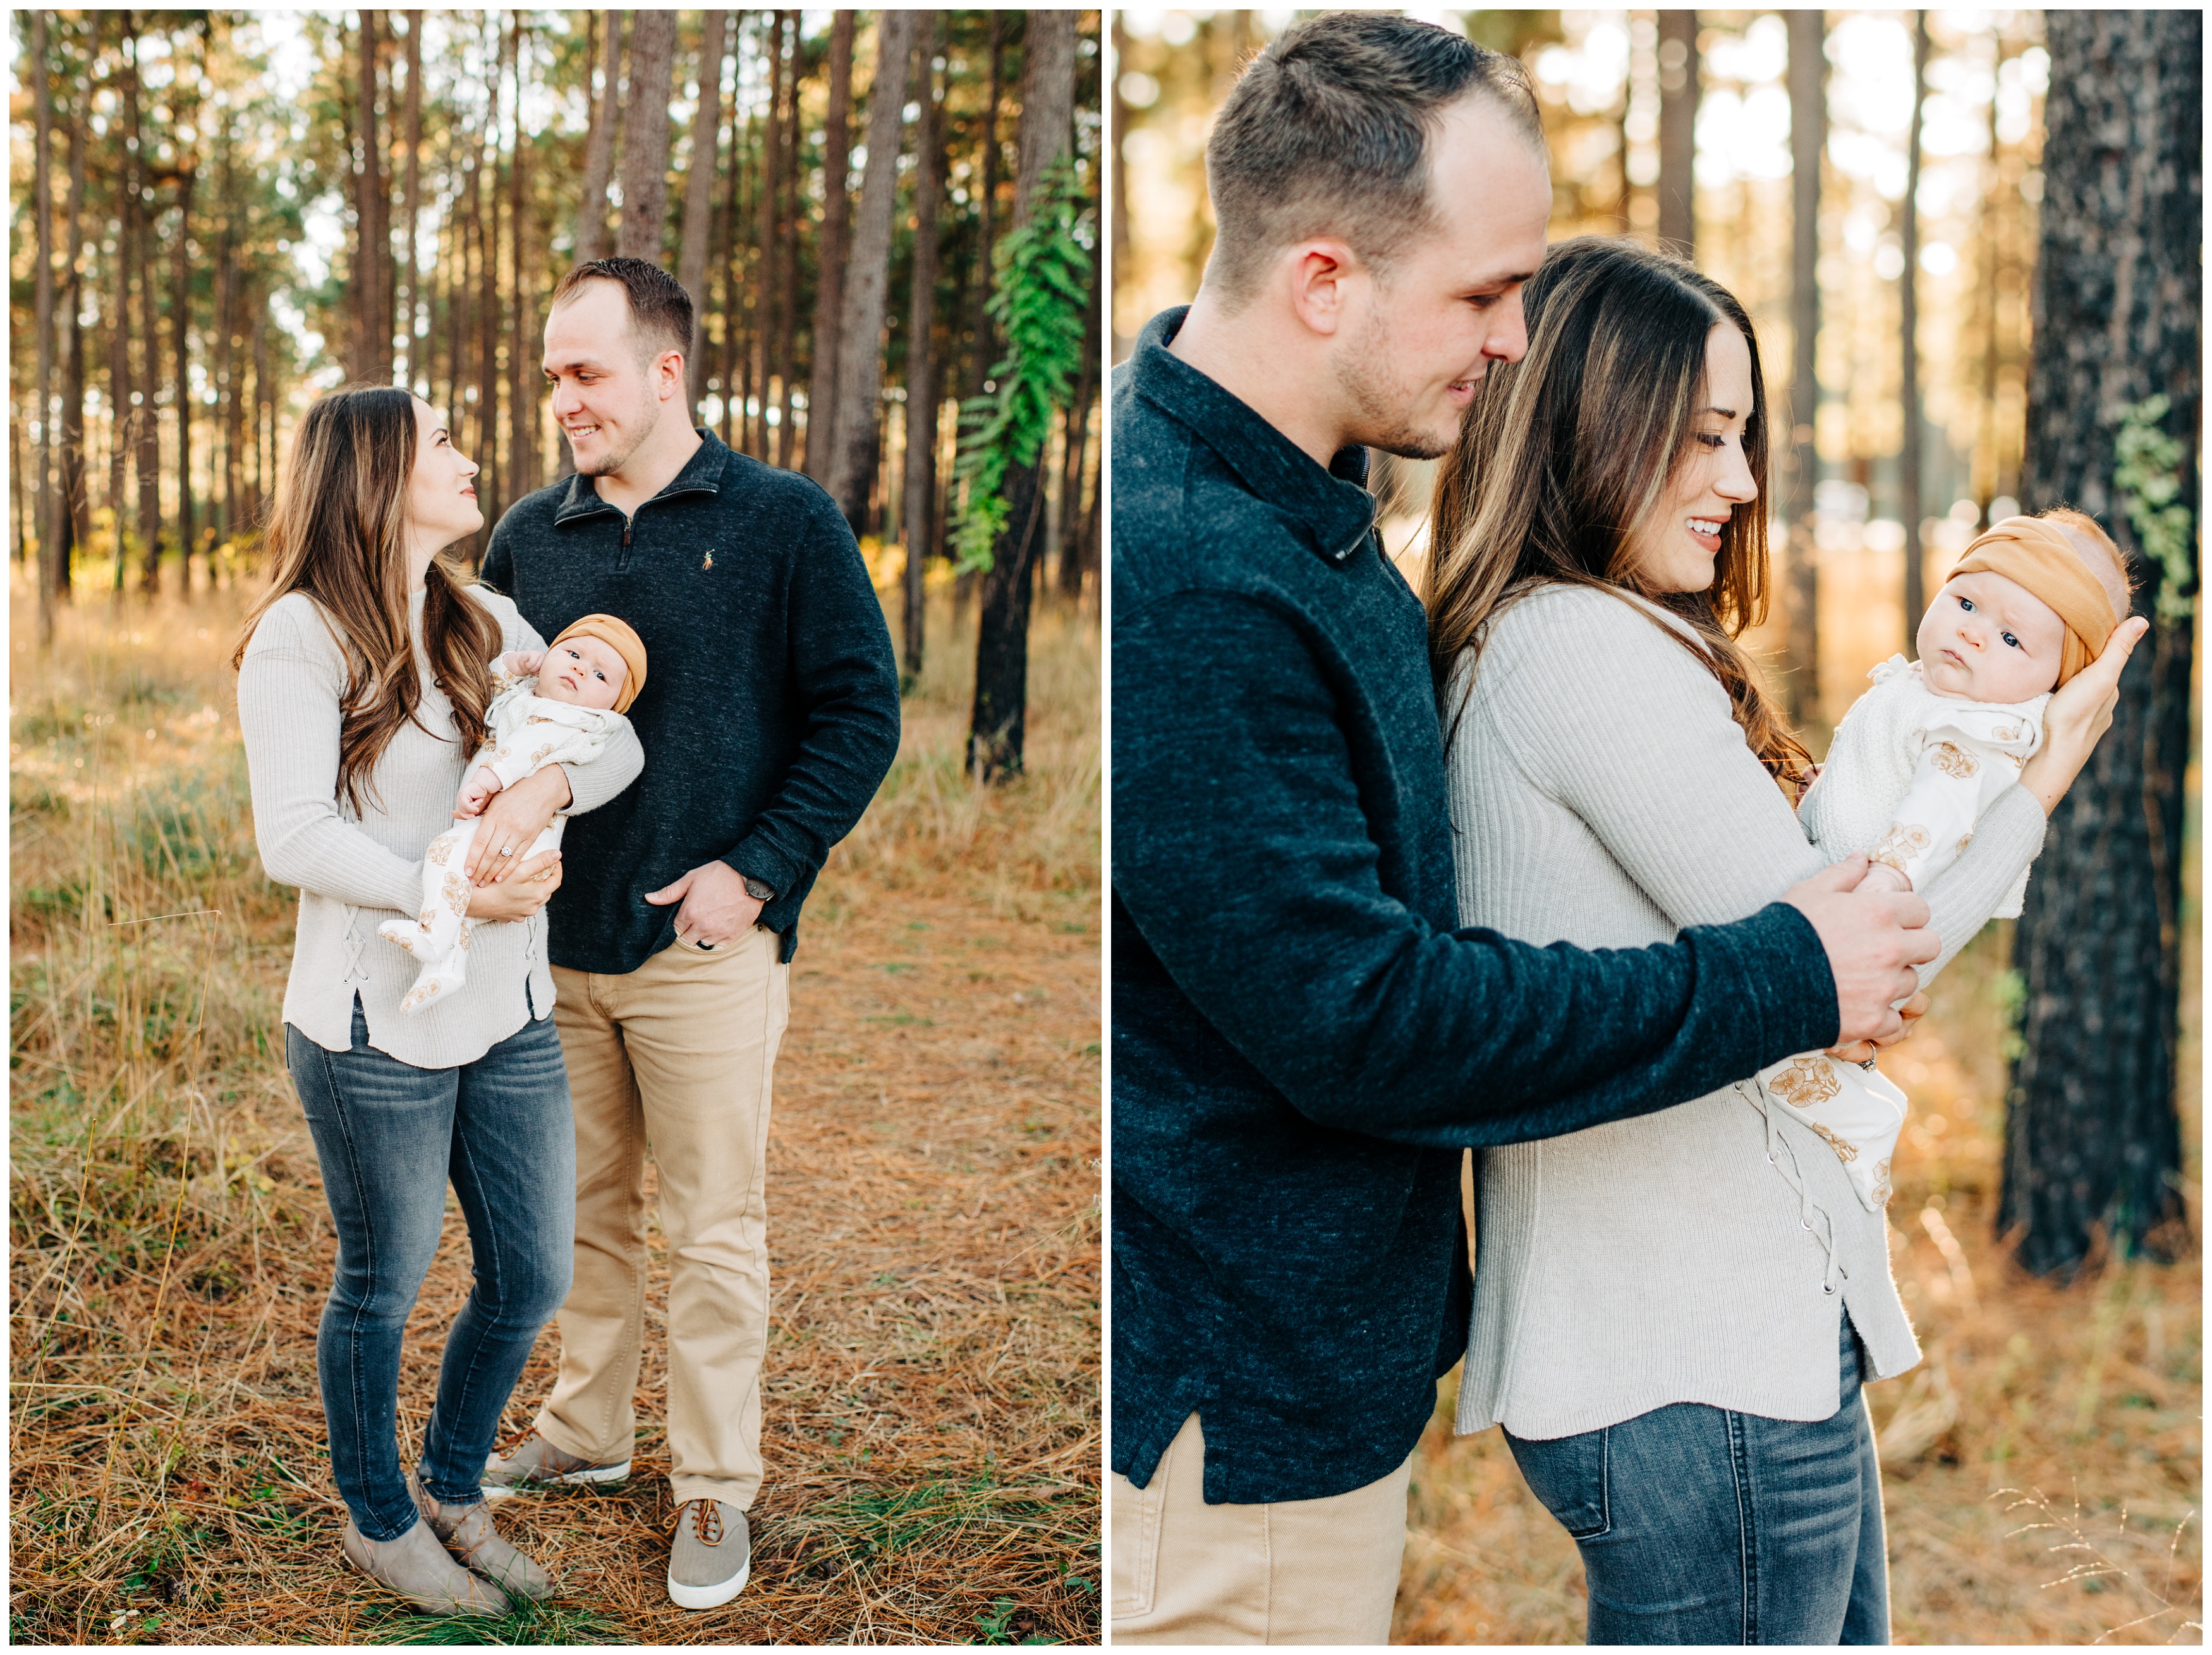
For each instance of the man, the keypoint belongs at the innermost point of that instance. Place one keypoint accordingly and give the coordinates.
(1302, 1041)
(768, 715)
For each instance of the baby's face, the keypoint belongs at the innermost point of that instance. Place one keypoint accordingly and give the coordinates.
(1988, 638)
(583, 672)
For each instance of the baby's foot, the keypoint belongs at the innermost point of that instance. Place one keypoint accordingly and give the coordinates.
(407, 934)
(435, 983)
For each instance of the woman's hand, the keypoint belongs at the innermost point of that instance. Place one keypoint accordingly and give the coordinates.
(1862, 1052)
(2077, 716)
(521, 896)
(512, 821)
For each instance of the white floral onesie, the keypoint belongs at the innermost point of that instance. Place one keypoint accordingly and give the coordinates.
(526, 733)
(1908, 776)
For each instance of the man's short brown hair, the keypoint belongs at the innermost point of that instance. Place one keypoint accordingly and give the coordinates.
(659, 309)
(1327, 132)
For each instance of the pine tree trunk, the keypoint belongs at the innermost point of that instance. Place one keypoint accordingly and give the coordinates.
(768, 300)
(997, 719)
(373, 244)
(522, 350)
(822, 401)
(1678, 131)
(921, 457)
(1808, 133)
(786, 278)
(861, 371)
(484, 212)
(1910, 505)
(42, 164)
(2092, 1133)
(411, 205)
(699, 199)
(645, 130)
(74, 516)
(599, 145)
(146, 457)
(180, 318)
(120, 414)
(980, 355)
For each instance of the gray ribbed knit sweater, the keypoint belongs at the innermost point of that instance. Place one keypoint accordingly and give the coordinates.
(1602, 795)
(354, 872)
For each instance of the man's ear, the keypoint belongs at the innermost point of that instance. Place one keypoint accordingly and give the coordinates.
(1322, 277)
(669, 368)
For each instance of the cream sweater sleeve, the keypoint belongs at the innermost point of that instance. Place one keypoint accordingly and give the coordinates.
(288, 688)
(1615, 719)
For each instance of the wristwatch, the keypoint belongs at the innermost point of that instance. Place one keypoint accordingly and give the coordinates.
(759, 890)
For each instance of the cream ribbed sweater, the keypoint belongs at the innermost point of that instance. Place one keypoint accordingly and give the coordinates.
(1602, 795)
(354, 872)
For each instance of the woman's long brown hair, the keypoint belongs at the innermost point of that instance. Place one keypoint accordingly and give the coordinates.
(338, 532)
(1565, 454)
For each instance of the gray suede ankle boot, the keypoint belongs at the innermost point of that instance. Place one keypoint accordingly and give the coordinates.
(416, 1567)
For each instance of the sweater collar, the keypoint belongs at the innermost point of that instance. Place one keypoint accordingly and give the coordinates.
(1329, 509)
(701, 474)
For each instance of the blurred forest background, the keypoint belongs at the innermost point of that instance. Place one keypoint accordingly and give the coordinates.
(890, 224)
(220, 214)
(1970, 243)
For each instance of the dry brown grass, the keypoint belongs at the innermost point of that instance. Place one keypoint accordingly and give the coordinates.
(932, 1380)
(2042, 1467)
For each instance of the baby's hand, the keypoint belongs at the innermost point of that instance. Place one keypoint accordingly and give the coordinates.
(525, 663)
(1880, 876)
(475, 793)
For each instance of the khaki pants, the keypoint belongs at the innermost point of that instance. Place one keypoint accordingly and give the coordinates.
(678, 1053)
(1297, 1572)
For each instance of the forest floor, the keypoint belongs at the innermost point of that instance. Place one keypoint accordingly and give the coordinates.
(2043, 1467)
(933, 1382)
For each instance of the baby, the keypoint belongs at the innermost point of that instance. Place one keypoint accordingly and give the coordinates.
(1921, 755)
(557, 706)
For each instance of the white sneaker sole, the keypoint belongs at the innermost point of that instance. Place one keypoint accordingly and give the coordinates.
(589, 1475)
(714, 1596)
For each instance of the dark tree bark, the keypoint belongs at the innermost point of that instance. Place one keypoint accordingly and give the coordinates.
(180, 318)
(699, 199)
(2092, 1133)
(600, 144)
(822, 404)
(411, 207)
(860, 373)
(771, 304)
(921, 457)
(372, 239)
(76, 508)
(1678, 131)
(42, 165)
(1808, 137)
(1910, 505)
(980, 355)
(1119, 116)
(1000, 714)
(786, 277)
(522, 350)
(645, 134)
(146, 460)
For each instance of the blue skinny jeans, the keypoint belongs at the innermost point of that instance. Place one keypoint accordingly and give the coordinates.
(389, 1135)
(1700, 1526)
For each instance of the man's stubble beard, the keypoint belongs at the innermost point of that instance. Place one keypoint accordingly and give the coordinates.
(1365, 374)
(647, 422)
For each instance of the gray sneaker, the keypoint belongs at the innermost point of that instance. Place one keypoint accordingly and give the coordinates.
(468, 1533)
(416, 1567)
(530, 1462)
(713, 1555)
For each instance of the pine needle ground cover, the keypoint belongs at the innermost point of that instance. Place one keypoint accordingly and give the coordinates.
(932, 1377)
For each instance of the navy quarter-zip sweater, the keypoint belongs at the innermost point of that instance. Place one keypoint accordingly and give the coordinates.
(1302, 1038)
(770, 711)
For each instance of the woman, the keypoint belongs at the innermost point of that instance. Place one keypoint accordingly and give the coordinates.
(1672, 1314)
(363, 680)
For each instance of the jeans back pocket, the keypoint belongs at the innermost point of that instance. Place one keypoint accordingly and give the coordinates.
(1568, 1475)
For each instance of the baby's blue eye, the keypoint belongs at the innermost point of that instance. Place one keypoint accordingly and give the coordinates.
(1966, 603)
(2011, 640)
